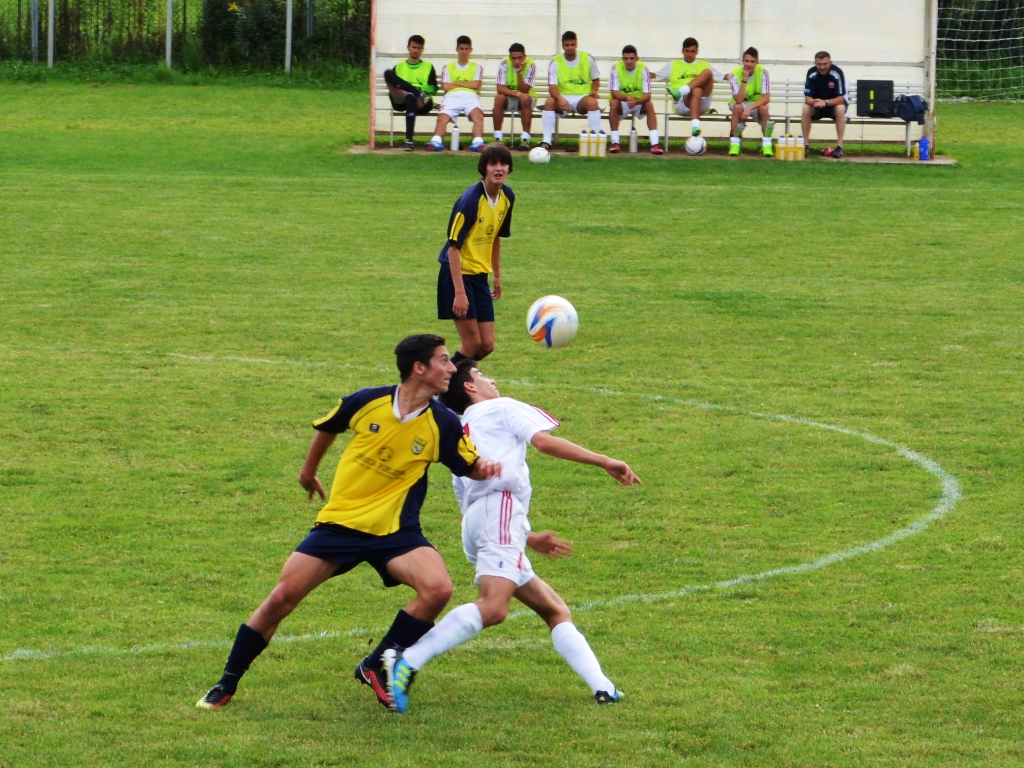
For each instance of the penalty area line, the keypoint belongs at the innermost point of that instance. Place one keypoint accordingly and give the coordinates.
(951, 494)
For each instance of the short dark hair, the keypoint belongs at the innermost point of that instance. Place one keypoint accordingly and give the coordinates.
(516, 48)
(752, 51)
(457, 398)
(630, 49)
(568, 35)
(494, 154)
(418, 39)
(463, 40)
(822, 55)
(416, 349)
(690, 41)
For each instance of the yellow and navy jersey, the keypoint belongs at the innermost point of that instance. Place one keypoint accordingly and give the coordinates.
(381, 481)
(474, 224)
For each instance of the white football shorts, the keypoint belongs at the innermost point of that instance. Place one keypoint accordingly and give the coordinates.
(574, 102)
(683, 109)
(494, 531)
(460, 103)
(636, 111)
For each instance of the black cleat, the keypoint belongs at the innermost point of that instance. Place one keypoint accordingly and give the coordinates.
(374, 677)
(603, 697)
(837, 153)
(523, 146)
(410, 145)
(545, 145)
(215, 699)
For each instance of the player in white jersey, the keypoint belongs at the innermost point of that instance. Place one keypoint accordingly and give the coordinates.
(496, 532)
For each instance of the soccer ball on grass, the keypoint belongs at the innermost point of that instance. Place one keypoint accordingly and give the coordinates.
(695, 145)
(539, 156)
(552, 321)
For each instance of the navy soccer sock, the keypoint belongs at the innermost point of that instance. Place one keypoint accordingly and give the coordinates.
(410, 115)
(405, 631)
(248, 645)
(455, 358)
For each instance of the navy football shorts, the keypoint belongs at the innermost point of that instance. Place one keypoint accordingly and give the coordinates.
(481, 305)
(348, 548)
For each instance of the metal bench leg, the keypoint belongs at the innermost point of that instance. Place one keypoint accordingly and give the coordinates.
(668, 125)
(392, 126)
(512, 127)
(909, 153)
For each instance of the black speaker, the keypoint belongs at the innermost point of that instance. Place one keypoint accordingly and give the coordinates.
(875, 98)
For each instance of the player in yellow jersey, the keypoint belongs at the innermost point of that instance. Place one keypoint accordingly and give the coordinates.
(629, 83)
(516, 74)
(480, 218)
(751, 93)
(412, 84)
(690, 82)
(460, 81)
(573, 83)
(373, 514)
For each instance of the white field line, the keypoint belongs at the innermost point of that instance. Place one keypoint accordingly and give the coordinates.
(950, 496)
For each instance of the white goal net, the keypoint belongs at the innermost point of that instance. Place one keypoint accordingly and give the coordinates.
(980, 52)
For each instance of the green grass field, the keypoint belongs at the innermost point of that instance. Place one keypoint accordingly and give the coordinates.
(191, 275)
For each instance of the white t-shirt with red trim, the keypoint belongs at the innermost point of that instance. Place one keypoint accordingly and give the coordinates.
(501, 429)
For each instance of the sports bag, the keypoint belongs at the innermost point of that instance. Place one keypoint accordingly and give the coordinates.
(911, 109)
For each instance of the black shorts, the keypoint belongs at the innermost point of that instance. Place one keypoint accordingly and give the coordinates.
(481, 305)
(824, 112)
(349, 548)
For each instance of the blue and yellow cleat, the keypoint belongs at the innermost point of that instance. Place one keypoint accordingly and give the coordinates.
(433, 146)
(400, 679)
(603, 697)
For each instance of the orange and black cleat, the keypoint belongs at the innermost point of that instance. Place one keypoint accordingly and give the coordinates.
(376, 680)
(215, 699)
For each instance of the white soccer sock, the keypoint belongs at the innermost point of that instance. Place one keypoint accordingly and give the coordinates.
(615, 137)
(461, 624)
(695, 123)
(548, 123)
(499, 135)
(734, 139)
(654, 142)
(478, 140)
(524, 136)
(766, 141)
(683, 93)
(435, 139)
(573, 647)
(594, 120)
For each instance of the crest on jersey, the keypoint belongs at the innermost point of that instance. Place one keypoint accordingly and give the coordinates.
(385, 454)
(375, 427)
(418, 444)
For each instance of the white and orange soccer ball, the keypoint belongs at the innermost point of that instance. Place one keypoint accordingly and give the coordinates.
(695, 145)
(552, 321)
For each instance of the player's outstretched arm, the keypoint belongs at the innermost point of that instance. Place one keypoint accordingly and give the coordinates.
(547, 443)
(548, 543)
(484, 469)
(307, 477)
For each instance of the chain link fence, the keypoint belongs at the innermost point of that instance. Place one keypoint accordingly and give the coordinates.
(236, 33)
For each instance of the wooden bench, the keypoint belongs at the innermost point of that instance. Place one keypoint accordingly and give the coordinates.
(786, 107)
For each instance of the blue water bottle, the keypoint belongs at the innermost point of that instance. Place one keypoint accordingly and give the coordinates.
(925, 148)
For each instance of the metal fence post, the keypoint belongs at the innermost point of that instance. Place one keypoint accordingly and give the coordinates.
(288, 40)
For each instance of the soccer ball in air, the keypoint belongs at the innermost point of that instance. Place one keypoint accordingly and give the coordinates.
(552, 321)
(696, 145)
(539, 155)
